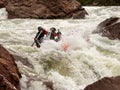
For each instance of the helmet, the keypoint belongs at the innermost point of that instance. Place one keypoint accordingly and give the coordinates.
(53, 29)
(40, 28)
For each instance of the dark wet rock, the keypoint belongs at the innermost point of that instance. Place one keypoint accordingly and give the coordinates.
(3, 3)
(106, 83)
(47, 83)
(9, 74)
(24, 61)
(109, 28)
(45, 9)
(100, 2)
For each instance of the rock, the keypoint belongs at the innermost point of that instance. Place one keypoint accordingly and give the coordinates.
(3, 3)
(109, 28)
(45, 9)
(106, 83)
(23, 60)
(100, 2)
(48, 84)
(9, 74)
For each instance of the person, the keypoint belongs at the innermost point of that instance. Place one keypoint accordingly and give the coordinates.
(53, 33)
(55, 36)
(58, 36)
(39, 36)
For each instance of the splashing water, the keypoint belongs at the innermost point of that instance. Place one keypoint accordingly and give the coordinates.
(79, 59)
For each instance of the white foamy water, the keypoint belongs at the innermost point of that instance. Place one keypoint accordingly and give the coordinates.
(88, 58)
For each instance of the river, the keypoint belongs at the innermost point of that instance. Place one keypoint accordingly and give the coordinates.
(88, 57)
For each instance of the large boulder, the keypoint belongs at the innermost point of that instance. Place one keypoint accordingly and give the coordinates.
(106, 83)
(109, 28)
(9, 74)
(45, 9)
(100, 2)
(3, 3)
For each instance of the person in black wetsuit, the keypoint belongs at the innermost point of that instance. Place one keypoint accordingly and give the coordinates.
(39, 36)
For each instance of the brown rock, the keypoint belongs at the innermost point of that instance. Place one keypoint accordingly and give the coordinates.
(9, 74)
(106, 83)
(109, 28)
(3, 3)
(45, 9)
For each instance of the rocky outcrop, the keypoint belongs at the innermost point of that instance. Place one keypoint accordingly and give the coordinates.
(106, 83)
(100, 2)
(3, 3)
(109, 28)
(45, 9)
(9, 74)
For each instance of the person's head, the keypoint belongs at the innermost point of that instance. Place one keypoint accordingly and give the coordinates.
(40, 28)
(52, 29)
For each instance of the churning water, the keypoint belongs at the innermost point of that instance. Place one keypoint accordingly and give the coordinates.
(88, 57)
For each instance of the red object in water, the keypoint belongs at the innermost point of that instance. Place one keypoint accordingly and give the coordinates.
(65, 46)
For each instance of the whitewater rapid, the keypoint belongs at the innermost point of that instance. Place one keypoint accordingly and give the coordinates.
(88, 57)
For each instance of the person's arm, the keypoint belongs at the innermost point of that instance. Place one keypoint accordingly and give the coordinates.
(36, 37)
(45, 32)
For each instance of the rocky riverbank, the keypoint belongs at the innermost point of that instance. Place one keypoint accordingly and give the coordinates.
(9, 73)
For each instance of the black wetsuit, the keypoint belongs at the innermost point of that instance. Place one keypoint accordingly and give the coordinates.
(39, 37)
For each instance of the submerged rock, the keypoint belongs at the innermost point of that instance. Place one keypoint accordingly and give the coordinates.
(109, 28)
(45, 82)
(106, 83)
(23, 60)
(45, 9)
(9, 74)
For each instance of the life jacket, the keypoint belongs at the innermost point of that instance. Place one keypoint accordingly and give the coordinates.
(53, 35)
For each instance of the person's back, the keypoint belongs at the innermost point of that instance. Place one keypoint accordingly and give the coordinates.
(39, 36)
